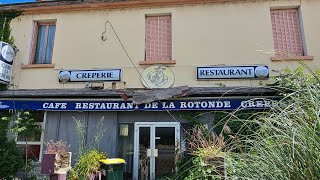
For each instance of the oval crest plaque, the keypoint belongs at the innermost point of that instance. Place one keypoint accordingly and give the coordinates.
(157, 77)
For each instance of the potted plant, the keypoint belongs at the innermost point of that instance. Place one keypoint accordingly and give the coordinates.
(207, 148)
(56, 159)
(88, 165)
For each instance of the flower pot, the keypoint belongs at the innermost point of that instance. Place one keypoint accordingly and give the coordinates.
(47, 165)
(55, 163)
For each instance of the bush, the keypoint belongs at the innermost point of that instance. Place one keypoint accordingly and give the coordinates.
(11, 159)
(287, 143)
(88, 165)
(205, 157)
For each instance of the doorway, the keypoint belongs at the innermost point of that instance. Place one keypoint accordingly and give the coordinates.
(155, 146)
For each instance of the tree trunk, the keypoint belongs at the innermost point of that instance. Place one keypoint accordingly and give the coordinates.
(25, 168)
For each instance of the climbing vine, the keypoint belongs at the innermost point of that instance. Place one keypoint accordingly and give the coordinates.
(5, 31)
(10, 157)
(5, 20)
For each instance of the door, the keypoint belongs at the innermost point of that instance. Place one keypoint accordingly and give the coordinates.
(154, 149)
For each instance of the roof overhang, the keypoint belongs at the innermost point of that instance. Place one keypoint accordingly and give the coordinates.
(72, 6)
(182, 91)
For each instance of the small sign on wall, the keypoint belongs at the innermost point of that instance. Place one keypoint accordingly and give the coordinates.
(7, 54)
(233, 72)
(90, 75)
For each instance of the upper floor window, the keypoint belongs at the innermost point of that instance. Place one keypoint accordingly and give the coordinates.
(43, 42)
(287, 34)
(158, 38)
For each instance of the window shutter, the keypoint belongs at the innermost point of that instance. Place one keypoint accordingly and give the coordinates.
(158, 38)
(286, 32)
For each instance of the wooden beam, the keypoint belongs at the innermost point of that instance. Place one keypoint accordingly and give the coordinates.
(138, 93)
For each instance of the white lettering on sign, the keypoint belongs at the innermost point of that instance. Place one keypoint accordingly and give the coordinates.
(205, 104)
(104, 106)
(54, 105)
(153, 105)
(168, 105)
(232, 72)
(259, 104)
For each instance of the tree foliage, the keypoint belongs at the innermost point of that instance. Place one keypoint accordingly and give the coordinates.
(5, 31)
(11, 159)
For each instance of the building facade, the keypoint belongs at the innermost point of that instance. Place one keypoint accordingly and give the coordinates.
(131, 68)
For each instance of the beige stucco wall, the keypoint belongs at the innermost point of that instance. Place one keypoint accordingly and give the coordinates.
(212, 34)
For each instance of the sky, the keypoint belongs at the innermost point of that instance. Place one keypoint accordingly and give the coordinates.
(14, 1)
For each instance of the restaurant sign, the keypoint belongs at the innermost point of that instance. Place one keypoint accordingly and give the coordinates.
(7, 55)
(89, 75)
(233, 72)
(178, 105)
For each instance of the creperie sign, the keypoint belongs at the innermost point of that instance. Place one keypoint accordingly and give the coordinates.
(90, 75)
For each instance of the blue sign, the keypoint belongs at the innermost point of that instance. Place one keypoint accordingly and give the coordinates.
(196, 104)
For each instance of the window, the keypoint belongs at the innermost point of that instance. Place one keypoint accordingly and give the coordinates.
(125, 147)
(158, 38)
(43, 41)
(34, 142)
(286, 33)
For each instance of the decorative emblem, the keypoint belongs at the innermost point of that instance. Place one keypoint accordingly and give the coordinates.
(64, 76)
(157, 77)
(261, 72)
(7, 52)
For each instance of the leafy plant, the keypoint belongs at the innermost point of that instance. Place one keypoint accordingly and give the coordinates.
(287, 142)
(26, 126)
(206, 156)
(5, 31)
(81, 129)
(32, 174)
(88, 165)
(11, 159)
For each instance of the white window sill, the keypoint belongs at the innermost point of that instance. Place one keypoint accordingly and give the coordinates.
(151, 62)
(28, 143)
(30, 66)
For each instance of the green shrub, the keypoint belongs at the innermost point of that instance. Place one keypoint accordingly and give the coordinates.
(287, 143)
(205, 157)
(87, 165)
(11, 159)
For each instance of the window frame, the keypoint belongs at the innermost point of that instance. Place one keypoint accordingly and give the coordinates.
(40, 143)
(36, 25)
